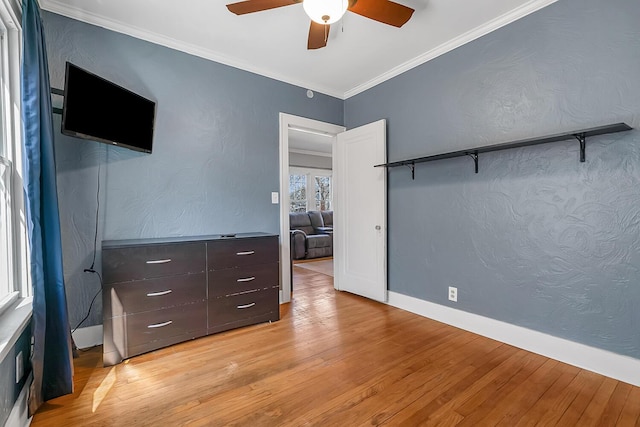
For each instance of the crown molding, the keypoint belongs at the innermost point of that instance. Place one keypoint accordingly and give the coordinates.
(469, 36)
(78, 14)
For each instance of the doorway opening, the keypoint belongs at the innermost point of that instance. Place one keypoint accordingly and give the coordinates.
(307, 149)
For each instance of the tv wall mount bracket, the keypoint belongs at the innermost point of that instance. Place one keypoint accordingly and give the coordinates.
(56, 91)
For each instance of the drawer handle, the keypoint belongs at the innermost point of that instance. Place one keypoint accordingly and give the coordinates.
(160, 325)
(159, 261)
(159, 294)
(246, 306)
(248, 279)
(246, 253)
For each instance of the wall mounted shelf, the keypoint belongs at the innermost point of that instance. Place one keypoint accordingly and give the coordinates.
(580, 135)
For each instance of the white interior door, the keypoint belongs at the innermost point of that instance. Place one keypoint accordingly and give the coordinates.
(360, 216)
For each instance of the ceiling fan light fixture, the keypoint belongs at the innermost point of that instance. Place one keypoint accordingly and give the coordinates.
(325, 12)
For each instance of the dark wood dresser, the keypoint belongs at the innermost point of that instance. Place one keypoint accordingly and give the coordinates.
(159, 292)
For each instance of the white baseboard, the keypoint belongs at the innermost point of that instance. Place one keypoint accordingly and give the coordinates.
(90, 336)
(19, 415)
(623, 368)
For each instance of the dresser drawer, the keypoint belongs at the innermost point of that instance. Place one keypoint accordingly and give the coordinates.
(158, 325)
(238, 307)
(236, 280)
(153, 294)
(231, 253)
(150, 261)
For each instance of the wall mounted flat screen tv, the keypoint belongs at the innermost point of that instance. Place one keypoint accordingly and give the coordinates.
(96, 109)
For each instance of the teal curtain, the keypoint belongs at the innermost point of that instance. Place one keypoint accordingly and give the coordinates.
(52, 354)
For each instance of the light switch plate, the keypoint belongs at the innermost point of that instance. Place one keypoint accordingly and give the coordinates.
(274, 197)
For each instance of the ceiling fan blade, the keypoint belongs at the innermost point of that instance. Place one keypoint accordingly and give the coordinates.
(384, 11)
(318, 35)
(250, 6)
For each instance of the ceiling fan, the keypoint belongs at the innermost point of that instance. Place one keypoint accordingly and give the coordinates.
(325, 12)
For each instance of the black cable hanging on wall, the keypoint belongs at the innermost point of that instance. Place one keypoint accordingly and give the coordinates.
(91, 269)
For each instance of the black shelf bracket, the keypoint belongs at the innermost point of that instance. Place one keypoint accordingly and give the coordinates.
(412, 166)
(580, 135)
(582, 138)
(474, 156)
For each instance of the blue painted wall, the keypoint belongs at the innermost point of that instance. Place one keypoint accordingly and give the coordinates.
(536, 239)
(215, 155)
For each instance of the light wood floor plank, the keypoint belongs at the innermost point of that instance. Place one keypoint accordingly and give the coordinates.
(499, 397)
(593, 412)
(521, 399)
(581, 400)
(442, 399)
(336, 359)
(614, 407)
(553, 402)
(414, 377)
(630, 415)
(467, 388)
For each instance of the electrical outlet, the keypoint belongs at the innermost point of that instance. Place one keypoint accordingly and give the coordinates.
(19, 368)
(453, 294)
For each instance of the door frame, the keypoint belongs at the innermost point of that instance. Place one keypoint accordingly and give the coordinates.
(287, 121)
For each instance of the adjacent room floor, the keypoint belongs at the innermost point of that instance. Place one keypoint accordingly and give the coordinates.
(321, 265)
(336, 359)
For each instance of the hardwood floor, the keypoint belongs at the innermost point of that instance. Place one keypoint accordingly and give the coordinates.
(336, 359)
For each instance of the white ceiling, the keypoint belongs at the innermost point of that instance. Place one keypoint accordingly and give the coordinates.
(360, 52)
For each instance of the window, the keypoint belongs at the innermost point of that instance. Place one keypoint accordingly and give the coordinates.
(298, 193)
(310, 189)
(13, 247)
(6, 252)
(323, 192)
